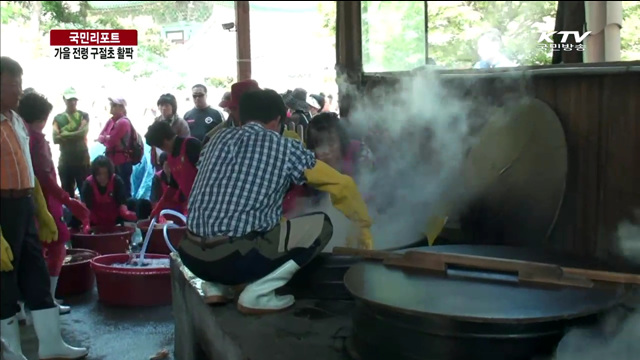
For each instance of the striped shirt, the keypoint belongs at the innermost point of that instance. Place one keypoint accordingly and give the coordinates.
(242, 179)
(15, 157)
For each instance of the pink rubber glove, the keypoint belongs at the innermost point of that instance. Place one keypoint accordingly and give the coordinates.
(126, 214)
(79, 210)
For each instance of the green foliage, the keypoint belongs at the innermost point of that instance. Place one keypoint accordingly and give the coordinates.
(164, 12)
(152, 47)
(122, 66)
(12, 11)
(219, 83)
(630, 41)
(392, 31)
(328, 11)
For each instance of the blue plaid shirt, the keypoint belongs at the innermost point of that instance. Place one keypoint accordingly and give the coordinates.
(243, 176)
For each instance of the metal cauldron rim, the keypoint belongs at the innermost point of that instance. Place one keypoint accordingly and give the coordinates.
(617, 294)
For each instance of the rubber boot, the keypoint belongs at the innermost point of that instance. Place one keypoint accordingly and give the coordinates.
(8, 354)
(11, 337)
(216, 293)
(47, 326)
(260, 297)
(54, 286)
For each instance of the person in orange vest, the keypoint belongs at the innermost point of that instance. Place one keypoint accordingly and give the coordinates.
(23, 268)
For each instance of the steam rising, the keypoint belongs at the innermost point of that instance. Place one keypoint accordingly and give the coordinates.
(420, 145)
(618, 335)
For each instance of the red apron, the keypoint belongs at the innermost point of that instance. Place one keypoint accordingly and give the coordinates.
(175, 202)
(182, 170)
(105, 209)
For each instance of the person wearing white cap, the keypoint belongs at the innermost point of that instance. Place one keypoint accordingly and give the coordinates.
(70, 130)
(116, 136)
(316, 104)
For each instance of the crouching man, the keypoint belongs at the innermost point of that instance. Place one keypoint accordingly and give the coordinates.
(235, 231)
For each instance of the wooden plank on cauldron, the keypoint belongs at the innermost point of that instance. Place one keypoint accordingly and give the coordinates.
(527, 272)
(564, 280)
(534, 270)
(366, 254)
(604, 275)
(440, 261)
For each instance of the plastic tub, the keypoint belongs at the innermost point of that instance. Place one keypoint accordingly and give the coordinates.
(157, 244)
(104, 241)
(131, 287)
(76, 276)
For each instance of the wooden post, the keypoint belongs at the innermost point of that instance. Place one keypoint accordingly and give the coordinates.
(243, 40)
(348, 48)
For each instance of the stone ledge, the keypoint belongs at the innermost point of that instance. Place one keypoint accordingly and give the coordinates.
(311, 330)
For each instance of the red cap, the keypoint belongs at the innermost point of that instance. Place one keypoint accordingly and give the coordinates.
(237, 90)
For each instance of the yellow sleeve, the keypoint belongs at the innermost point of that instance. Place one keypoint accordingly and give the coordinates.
(47, 228)
(345, 197)
(434, 227)
(293, 135)
(39, 200)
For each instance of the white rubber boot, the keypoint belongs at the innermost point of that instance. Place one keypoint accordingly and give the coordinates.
(47, 326)
(260, 297)
(11, 337)
(54, 286)
(215, 293)
(8, 354)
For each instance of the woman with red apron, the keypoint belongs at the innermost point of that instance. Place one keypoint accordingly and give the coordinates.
(35, 109)
(162, 183)
(329, 140)
(182, 156)
(104, 193)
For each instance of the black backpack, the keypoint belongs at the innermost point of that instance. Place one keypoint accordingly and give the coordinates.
(136, 146)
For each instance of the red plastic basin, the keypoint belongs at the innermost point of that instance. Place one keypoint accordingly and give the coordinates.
(111, 241)
(76, 276)
(157, 244)
(130, 287)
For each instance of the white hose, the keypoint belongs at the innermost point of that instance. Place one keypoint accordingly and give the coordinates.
(152, 225)
(147, 237)
(172, 225)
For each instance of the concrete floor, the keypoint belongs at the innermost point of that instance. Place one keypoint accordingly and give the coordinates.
(111, 333)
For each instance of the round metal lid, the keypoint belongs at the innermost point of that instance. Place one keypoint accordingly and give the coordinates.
(478, 300)
(518, 168)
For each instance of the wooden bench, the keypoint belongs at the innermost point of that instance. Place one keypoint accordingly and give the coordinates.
(311, 330)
